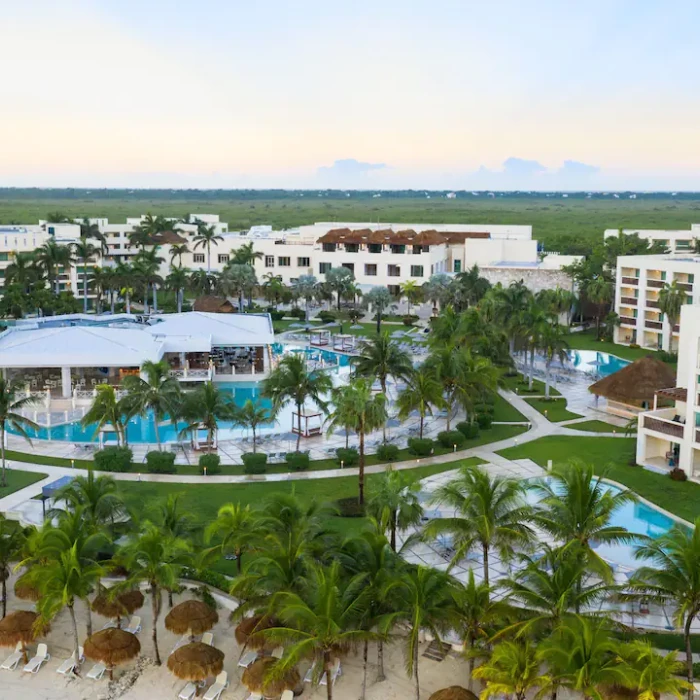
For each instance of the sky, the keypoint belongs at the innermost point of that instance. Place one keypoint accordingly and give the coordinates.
(368, 94)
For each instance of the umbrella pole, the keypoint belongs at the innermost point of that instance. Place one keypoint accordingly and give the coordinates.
(111, 673)
(24, 653)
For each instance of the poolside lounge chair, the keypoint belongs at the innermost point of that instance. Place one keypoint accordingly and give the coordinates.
(254, 696)
(335, 672)
(188, 692)
(109, 625)
(134, 625)
(208, 638)
(287, 695)
(68, 666)
(10, 663)
(96, 672)
(180, 643)
(35, 663)
(248, 658)
(215, 690)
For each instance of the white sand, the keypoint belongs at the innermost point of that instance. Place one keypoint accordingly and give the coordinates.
(157, 683)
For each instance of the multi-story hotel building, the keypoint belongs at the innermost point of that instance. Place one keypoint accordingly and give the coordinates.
(678, 241)
(639, 279)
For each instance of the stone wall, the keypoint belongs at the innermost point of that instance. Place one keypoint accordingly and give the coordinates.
(535, 279)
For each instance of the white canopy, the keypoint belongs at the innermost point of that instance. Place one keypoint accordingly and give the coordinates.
(223, 329)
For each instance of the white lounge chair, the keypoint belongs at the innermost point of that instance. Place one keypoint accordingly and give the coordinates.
(188, 692)
(254, 696)
(10, 663)
(287, 695)
(35, 663)
(248, 658)
(218, 687)
(68, 666)
(335, 672)
(96, 672)
(134, 625)
(110, 625)
(185, 639)
(278, 652)
(208, 638)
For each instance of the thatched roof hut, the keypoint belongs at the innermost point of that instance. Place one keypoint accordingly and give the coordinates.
(454, 692)
(191, 616)
(112, 647)
(634, 386)
(213, 305)
(196, 661)
(260, 678)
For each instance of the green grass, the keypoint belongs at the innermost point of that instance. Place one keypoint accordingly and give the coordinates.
(506, 412)
(586, 340)
(555, 410)
(368, 329)
(17, 480)
(520, 384)
(611, 456)
(597, 426)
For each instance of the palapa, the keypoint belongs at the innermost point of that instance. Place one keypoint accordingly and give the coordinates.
(26, 591)
(196, 661)
(247, 629)
(20, 627)
(117, 606)
(454, 692)
(260, 677)
(191, 616)
(112, 647)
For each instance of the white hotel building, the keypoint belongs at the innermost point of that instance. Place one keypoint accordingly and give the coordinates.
(676, 241)
(378, 254)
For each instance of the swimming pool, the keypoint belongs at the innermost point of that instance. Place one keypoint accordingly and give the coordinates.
(601, 363)
(141, 429)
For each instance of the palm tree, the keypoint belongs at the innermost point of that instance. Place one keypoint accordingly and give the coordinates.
(511, 303)
(338, 280)
(52, 257)
(671, 299)
(205, 236)
(12, 541)
(251, 415)
(422, 392)
(202, 281)
(85, 252)
(157, 559)
(236, 280)
(102, 282)
(322, 622)
(306, 286)
(177, 251)
(369, 414)
(552, 341)
(23, 270)
(468, 288)
(273, 288)
(490, 513)
(177, 280)
(173, 519)
(145, 232)
(90, 229)
(203, 408)
(96, 496)
(672, 576)
(146, 269)
(380, 299)
(434, 289)
(291, 381)
(238, 528)
(513, 669)
(381, 358)
(651, 674)
(124, 277)
(158, 392)
(11, 405)
(394, 503)
(411, 290)
(599, 290)
(534, 320)
(106, 409)
(245, 255)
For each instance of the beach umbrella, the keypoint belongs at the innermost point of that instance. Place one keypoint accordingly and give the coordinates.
(245, 632)
(196, 661)
(257, 678)
(357, 327)
(26, 591)
(333, 324)
(115, 607)
(191, 616)
(112, 647)
(19, 626)
(454, 692)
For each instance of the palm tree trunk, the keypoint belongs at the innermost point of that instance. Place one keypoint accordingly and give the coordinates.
(327, 669)
(471, 663)
(157, 431)
(364, 671)
(380, 661)
(689, 655)
(449, 413)
(383, 383)
(485, 549)
(298, 425)
(170, 598)
(2, 452)
(422, 420)
(85, 286)
(179, 301)
(532, 366)
(379, 322)
(511, 345)
(154, 636)
(89, 616)
(4, 596)
(74, 625)
(145, 300)
(208, 258)
(254, 439)
(546, 379)
(415, 671)
(393, 532)
(239, 557)
(361, 474)
(155, 298)
(112, 300)
(128, 303)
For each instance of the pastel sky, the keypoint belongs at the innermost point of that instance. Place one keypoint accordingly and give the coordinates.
(370, 93)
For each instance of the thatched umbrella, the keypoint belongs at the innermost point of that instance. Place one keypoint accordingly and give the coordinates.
(191, 616)
(112, 647)
(115, 607)
(256, 678)
(454, 692)
(26, 591)
(196, 661)
(246, 632)
(19, 626)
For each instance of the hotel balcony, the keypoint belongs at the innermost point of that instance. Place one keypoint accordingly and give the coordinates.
(656, 284)
(630, 280)
(661, 421)
(652, 304)
(628, 321)
(656, 325)
(629, 301)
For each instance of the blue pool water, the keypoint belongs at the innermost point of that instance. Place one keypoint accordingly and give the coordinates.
(592, 361)
(142, 429)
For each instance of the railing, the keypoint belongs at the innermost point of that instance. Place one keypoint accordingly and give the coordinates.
(664, 426)
(190, 373)
(653, 304)
(656, 284)
(626, 320)
(657, 325)
(630, 280)
(628, 301)
(676, 329)
(685, 286)
(697, 436)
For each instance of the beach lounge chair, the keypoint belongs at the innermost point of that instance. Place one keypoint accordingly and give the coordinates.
(254, 696)
(180, 643)
(109, 625)
(277, 652)
(208, 638)
(35, 663)
(68, 666)
(335, 672)
(10, 663)
(287, 695)
(96, 672)
(134, 625)
(248, 658)
(215, 690)
(188, 692)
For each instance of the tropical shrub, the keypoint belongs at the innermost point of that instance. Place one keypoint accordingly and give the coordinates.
(409, 320)
(326, 316)
(349, 456)
(468, 429)
(208, 576)
(158, 462)
(276, 315)
(387, 452)
(298, 461)
(485, 408)
(212, 462)
(450, 438)
(298, 313)
(113, 459)
(677, 474)
(350, 507)
(484, 420)
(254, 463)
(423, 447)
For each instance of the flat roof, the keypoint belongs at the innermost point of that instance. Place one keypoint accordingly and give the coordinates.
(222, 329)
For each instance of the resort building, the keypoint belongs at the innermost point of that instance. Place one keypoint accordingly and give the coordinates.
(670, 437)
(66, 357)
(679, 241)
(639, 279)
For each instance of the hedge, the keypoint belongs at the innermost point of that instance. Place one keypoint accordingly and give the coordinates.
(450, 438)
(423, 447)
(298, 461)
(468, 429)
(388, 452)
(212, 463)
(349, 456)
(158, 462)
(254, 463)
(113, 459)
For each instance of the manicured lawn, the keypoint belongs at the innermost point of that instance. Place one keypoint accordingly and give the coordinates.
(611, 456)
(586, 340)
(555, 409)
(506, 412)
(368, 329)
(17, 480)
(597, 426)
(520, 384)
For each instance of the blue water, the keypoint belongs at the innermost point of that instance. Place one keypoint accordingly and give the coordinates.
(142, 429)
(592, 361)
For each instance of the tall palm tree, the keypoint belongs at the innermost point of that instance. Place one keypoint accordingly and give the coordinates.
(394, 503)
(146, 269)
(202, 282)
(380, 299)
(553, 343)
(157, 559)
(322, 622)
(490, 513)
(306, 286)
(106, 409)
(468, 288)
(23, 270)
(177, 281)
(11, 404)
(96, 496)
(12, 541)
(292, 381)
(102, 282)
(369, 414)
(236, 280)
(52, 256)
(205, 236)
(599, 290)
(124, 281)
(203, 408)
(90, 229)
(535, 320)
(177, 251)
(245, 255)
(85, 252)
(157, 392)
(421, 393)
(434, 289)
(671, 299)
(672, 576)
(511, 302)
(339, 279)
(251, 414)
(237, 528)
(145, 232)
(411, 291)
(273, 288)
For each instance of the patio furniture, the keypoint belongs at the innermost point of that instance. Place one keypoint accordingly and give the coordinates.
(42, 655)
(96, 672)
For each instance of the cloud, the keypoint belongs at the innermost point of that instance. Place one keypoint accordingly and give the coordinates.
(521, 167)
(348, 170)
(572, 168)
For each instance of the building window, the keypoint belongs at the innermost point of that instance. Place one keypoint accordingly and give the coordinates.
(371, 270)
(398, 249)
(458, 266)
(198, 257)
(324, 267)
(269, 261)
(352, 247)
(329, 247)
(394, 290)
(284, 261)
(375, 247)
(416, 270)
(349, 266)
(691, 277)
(4, 256)
(393, 270)
(223, 258)
(52, 232)
(303, 262)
